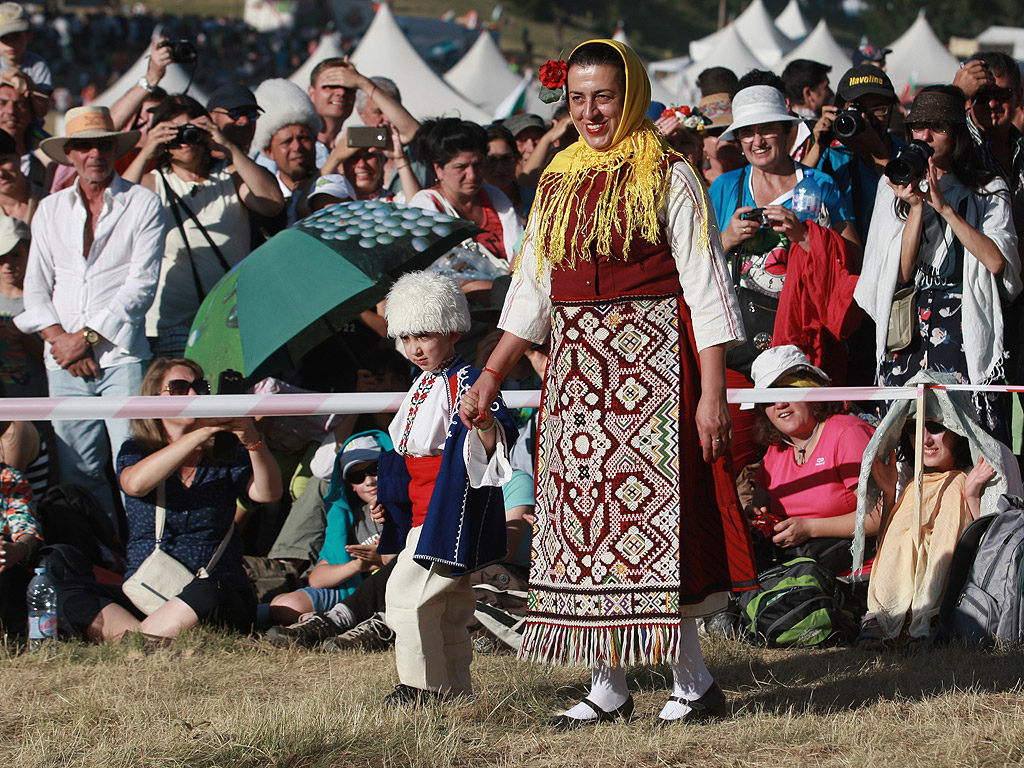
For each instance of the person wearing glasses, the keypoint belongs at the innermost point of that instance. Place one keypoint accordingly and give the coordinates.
(172, 458)
(856, 162)
(500, 165)
(205, 202)
(950, 236)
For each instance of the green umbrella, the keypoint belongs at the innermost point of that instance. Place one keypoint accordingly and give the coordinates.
(303, 284)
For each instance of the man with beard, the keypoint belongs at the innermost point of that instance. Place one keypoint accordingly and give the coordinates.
(286, 133)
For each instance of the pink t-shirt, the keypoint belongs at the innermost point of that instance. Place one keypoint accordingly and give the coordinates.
(826, 484)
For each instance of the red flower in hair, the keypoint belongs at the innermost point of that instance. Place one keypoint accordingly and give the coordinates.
(552, 74)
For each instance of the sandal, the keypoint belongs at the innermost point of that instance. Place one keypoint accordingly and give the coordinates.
(566, 723)
(871, 638)
(707, 707)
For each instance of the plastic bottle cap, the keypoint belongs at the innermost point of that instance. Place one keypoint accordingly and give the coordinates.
(41, 569)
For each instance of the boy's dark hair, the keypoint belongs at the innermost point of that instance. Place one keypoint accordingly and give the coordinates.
(760, 77)
(1001, 65)
(800, 74)
(717, 80)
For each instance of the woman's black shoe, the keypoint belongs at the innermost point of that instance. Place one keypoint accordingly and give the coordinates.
(406, 695)
(707, 707)
(566, 723)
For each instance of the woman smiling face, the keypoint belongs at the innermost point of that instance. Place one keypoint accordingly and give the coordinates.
(596, 96)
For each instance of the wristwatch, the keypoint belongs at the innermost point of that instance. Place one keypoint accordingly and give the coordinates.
(91, 337)
(144, 84)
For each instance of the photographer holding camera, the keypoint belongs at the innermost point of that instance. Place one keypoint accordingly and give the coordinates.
(855, 138)
(205, 203)
(948, 241)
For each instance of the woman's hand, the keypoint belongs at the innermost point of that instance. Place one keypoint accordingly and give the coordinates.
(476, 403)
(159, 136)
(908, 193)
(739, 229)
(215, 139)
(366, 553)
(885, 473)
(934, 195)
(791, 532)
(785, 222)
(13, 552)
(714, 425)
(394, 150)
(667, 124)
(975, 484)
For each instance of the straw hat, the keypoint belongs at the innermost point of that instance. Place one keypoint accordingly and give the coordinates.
(88, 123)
(757, 105)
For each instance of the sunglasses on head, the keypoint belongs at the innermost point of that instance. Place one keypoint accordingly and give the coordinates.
(182, 386)
(238, 112)
(357, 476)
(931, 427)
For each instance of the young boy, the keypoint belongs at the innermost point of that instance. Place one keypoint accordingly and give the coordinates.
(350, 541)
(439, 489)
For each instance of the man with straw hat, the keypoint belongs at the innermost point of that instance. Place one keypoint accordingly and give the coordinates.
(92, 274)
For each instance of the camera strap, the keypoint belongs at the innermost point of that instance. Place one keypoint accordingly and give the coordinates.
(175, 200)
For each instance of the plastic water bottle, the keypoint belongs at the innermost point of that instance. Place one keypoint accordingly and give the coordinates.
(41, 599)
(807, 199)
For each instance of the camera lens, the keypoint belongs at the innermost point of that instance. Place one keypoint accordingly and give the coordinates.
(183, 52)
(848, 124)
(189, 134)
(910, 164)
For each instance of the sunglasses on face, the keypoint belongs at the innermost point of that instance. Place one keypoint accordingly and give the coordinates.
(236, 113)
(182, 386)
(931, 427)
(985, 95)
(495, 160)
(358, 476)
(941, 128)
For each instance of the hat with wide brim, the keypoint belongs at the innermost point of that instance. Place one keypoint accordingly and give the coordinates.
(88, 123)
(757, 105)
(776, 362)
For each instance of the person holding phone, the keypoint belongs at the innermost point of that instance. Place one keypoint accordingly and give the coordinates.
(205, 204)
(173, 458)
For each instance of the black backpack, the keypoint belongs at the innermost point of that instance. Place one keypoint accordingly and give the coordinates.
(69, 514)
(982, 602)
(795, 606)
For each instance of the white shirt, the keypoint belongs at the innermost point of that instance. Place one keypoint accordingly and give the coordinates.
(111, 290)
(704, 278)
(420, 428)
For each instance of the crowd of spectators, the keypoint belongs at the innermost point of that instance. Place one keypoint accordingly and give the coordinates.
(137, 211)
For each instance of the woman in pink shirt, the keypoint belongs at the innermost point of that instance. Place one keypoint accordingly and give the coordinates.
(806, 489)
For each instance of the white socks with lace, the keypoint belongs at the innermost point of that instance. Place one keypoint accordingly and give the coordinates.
(608, 690)
(690, 677)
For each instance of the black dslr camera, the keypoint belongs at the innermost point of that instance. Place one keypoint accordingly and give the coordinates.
(848, 123)
(189, 135)
(910, 164)
(182, 51)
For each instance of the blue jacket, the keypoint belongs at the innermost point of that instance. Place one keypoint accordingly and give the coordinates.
(465, 526)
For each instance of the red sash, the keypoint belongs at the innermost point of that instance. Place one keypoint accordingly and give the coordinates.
(423, 470)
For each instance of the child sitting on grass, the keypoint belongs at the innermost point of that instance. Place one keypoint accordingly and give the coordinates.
(350, 541)
(439, 489)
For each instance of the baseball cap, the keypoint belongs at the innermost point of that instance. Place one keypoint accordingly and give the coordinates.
(232, 96)
(862, 80)
(519, 123)
(13, 18)
(12, 232)
(776, 362)
(358, 450)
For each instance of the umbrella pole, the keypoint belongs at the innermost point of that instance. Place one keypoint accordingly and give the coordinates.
(919, 464)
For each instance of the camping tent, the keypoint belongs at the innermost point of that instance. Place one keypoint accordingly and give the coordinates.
(918, 58)
(1009, 37)
(385, 51)
(329, 47)
(820, 46)
(483, 75)
(705, 45)
(175, 80)
(757, 29)
(730, 51)
(269, 15)
(791, 22)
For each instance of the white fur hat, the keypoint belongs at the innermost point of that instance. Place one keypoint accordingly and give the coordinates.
(283, 103)
(426, 302)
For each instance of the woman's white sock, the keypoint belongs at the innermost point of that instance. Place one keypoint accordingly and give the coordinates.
(690, 677)
(608, 690)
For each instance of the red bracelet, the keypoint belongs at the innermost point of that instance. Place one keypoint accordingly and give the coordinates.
(501, 379)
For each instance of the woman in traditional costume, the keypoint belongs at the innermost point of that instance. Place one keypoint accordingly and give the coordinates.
(622, 266)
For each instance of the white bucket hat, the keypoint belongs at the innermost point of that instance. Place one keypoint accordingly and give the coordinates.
(776, 362)
(757, 105)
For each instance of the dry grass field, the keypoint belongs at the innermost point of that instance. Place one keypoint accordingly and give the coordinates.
(220, 700)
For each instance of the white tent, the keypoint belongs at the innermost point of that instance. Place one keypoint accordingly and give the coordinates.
(1011, 37)
(820, 46)
(730, 51)
(757, 29)
(620, 36)
(329, 47)
(791, 22)
(919, 58)
(175, 79)
(385, 51)
(269, 15)
(671, 74)
(705, 45)
(483, 75)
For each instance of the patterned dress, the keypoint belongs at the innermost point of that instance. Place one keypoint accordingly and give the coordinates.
(631, 535)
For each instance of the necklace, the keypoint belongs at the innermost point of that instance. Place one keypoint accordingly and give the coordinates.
(800, 452)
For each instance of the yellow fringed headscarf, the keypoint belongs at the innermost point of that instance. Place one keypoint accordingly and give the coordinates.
(639, 191)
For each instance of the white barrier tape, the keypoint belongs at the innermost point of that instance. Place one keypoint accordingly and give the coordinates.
(219, 406)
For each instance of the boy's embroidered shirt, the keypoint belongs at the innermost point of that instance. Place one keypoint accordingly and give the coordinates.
(420, 427)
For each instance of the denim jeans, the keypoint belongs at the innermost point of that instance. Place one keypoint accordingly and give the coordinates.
(84, 446)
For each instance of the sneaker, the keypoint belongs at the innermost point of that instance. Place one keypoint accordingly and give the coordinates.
(406, 695)
(308, 632)
(371, 635)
